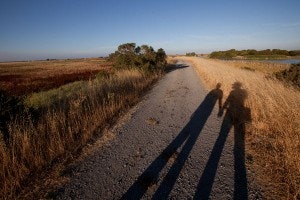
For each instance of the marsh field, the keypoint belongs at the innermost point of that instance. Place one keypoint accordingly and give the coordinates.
(54, 108)
(22, 78)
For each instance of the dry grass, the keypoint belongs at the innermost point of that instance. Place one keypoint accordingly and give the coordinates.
(260, 66)
(273, 139)
(21, 78)
(65, 129)
(171, 60)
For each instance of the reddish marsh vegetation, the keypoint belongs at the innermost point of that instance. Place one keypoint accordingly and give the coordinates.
(21, 78)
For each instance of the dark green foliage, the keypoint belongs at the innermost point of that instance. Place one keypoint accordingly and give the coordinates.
(9, 108)
(191, 54)
(291, 75)
(224, 54)
(294, 53)
(161, 58)
(254, 54)
(143, 57)
(12, 108)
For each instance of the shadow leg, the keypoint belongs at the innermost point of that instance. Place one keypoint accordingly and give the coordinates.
(207, 179)
(167, 184)
(240, 174)
(151, 174)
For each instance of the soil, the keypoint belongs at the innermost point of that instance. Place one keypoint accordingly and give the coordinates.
(173, 145)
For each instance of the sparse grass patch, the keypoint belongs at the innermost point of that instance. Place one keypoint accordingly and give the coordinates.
(272, 138)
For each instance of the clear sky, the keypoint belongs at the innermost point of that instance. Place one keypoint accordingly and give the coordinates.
(40, 29)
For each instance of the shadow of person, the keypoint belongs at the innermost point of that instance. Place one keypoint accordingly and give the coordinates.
(187, 137)
(236, 115)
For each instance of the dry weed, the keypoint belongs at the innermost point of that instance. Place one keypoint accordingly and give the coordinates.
(65, 129)
(273, 138)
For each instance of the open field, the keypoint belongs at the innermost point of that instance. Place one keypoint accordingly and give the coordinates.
(21, 78)
(272, 138)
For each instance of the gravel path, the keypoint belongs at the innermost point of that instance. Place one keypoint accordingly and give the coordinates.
(172, 146)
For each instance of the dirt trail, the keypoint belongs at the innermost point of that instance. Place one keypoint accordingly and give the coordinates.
(173, 146)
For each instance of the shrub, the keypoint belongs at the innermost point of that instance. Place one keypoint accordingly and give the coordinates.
(291, 75)
(191, 54)
(130, 56)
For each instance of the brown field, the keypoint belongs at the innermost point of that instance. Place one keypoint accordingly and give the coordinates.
(272, 140)
(22, 78)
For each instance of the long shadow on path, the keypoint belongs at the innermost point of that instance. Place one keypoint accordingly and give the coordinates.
(236, 116)
(187, 137)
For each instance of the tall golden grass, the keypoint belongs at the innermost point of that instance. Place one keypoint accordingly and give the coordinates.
(65, 129)
(273, 137)
(260, 66)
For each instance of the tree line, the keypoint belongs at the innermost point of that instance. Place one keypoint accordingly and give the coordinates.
(190, 54)
(229, 54)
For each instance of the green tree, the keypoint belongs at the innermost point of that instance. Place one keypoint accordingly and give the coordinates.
(127, 48)
(142, 57)
(161, 57)
(191, 54)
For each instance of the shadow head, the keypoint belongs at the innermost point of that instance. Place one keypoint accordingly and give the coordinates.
(218, 86)
(237, 85)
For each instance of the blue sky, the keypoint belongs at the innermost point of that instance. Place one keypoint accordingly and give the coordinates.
(39, 29)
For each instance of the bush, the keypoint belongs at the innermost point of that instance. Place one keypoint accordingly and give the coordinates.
(130, 56)
(191, 54)
(291, 75)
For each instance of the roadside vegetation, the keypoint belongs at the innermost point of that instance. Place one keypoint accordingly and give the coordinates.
(252, 54)
(49, 127)
(272, 138)
(129, 56)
